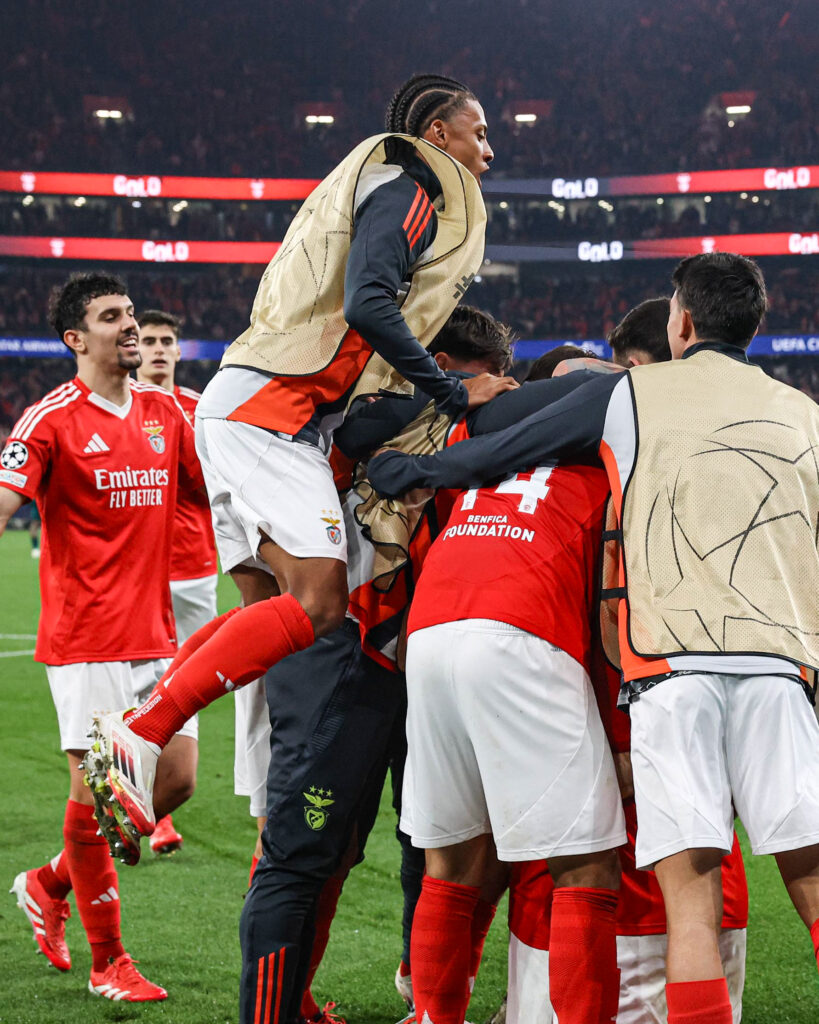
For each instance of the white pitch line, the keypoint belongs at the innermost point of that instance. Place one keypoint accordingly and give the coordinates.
(15, 654)
(18, 636)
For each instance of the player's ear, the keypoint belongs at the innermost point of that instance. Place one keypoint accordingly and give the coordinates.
(443, 360)
(75, 340)
(686, 326)
(436, 133)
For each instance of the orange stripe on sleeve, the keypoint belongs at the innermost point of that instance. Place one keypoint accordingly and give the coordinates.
(420, 229)
(419, 194)
(419, 216)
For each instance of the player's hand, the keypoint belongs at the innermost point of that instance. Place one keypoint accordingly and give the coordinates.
(586, 363)
(487, 386)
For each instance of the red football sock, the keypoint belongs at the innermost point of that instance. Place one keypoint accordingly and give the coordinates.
(254, 860)
(583, 975)
(54, 877)
(195, 641)
(481, 921)
(441, 950)
(237, 652)
(814, 934)
(94, 880)
(325, 912)
(309, 1007)
(699, 1002)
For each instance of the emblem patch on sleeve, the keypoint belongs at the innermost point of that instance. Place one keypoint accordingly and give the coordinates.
(15, 455)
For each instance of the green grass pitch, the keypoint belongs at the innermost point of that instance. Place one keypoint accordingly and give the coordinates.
(180, 914)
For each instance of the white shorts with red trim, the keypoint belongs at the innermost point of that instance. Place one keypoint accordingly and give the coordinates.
(85, 688)
(641, 959)
(251, 756)
(258, 483)
(194, 604)
(504, 736)
(702, 744)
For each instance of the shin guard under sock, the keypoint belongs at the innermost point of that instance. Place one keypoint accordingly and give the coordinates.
(814, 934)
(240, 650)
(583, 975)
(442, 950)
(699, 1002)
(55, 878)
(94, 880)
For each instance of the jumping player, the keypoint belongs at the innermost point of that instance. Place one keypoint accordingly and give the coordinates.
(718, 615)
(333, 709)
(101, 454)
(401, 214)
(193, 549)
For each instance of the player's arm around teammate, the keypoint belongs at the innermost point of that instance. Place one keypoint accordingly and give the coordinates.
(718, 701)
(265, 422)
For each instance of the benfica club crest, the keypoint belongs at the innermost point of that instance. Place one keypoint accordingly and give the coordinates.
(315, 815)
(155, 438)
(333, 531)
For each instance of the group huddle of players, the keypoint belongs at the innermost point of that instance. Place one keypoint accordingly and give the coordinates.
(450, 576)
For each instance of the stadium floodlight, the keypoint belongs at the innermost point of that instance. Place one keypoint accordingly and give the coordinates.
(105, 115)
(741, 108)
(28, 200)
(180, 206)
(526, 118)
(319, 119)
(80, 201)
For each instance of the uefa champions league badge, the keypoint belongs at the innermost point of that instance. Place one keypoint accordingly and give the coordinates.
(315, 814)
(15, 456)
(155, 438)
(333, 531)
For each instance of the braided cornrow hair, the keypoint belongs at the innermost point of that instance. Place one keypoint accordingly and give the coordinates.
(422, 99)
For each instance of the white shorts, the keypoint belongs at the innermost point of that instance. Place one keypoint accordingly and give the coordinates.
(194, 604)
(505, 737)
(699, 742)
(84, 688)
(641, 959)
(251, 752)
(258, 482)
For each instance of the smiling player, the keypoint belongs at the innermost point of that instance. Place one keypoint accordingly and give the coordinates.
(101, 454)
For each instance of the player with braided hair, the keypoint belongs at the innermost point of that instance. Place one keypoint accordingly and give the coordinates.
(398, 232)
(424, 98)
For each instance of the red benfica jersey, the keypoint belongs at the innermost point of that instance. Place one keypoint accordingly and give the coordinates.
(105, 479)
(522, 552)
(193, 549)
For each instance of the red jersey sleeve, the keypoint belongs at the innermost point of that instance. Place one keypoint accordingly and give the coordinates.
(190, 472)
(26, 458)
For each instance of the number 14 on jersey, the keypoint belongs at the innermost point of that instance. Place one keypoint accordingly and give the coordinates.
(532, 489)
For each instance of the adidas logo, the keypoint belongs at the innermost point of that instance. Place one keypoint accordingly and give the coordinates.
(96, 444)
(228, 683)
(109, 896)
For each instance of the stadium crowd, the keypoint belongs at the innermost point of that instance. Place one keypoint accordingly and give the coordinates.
(210, 102)
(532, 221)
